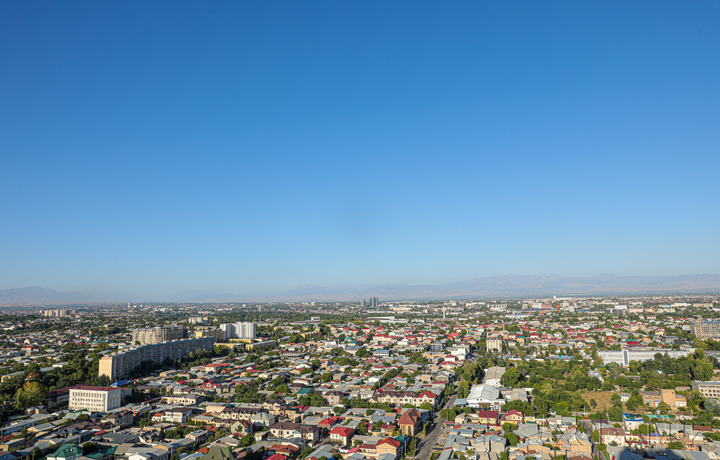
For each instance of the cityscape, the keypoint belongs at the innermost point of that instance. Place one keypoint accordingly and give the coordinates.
(543, 378)
(283, 230)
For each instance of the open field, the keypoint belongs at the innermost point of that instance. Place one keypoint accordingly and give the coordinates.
(602, 398)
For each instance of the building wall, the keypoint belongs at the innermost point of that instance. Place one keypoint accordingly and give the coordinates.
(96, 400)
(623, 357)
(214, 333)
(120, 365)
(707, 329)
(238, 331)
(152, 335)
(707, 389)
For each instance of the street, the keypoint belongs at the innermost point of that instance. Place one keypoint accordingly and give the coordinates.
(426, 445)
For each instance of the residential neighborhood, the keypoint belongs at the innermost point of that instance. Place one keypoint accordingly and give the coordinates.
(474, 380)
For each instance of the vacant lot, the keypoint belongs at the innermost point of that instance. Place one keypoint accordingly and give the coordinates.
(602, 398)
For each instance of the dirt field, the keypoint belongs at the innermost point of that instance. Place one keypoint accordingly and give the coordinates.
(602, 398)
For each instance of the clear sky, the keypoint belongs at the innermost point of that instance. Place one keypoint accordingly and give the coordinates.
(157, 147)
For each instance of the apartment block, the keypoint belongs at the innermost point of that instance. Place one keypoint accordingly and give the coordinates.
(209, 332)
(238, 331)
(494, 344)
(152, 335)
(707, 329)
(119, 365)
(57, 313)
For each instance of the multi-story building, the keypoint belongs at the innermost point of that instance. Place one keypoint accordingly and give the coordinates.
(152, 335)
(623, 357)
(173, 415)
(310, 433)
(185, 399)
(494, 344)
(58, 312)
(654, 398)
(121, 364)
(238, 331)
(706, 329)
(209, 332)
(707, 389)
(96, 399)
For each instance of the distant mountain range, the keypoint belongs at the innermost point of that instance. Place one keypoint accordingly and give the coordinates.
(36, 295)
(503, 286)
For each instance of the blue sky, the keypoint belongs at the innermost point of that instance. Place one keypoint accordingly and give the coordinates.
(157, 147)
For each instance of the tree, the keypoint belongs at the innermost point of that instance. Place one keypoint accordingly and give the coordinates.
(247, 440)
(596, 436)
(676, 445)
(362, 353)
(703, 371)
(412, 448)
(512, 438)
(31, 394)
(712, 405)
(511, 377)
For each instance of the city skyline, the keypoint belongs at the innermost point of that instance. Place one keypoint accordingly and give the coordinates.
(159, 148)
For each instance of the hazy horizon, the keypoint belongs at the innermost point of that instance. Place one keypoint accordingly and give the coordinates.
(500, 286)
(252, 147)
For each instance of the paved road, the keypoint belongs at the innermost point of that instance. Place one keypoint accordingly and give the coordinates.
(426, 445)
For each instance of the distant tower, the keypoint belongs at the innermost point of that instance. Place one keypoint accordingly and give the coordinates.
(444, 312)
(362, 303)
(129, 304)
(375, 302)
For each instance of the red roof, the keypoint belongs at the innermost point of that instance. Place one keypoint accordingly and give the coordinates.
(393, 442)
(92, 388)
(342, 431)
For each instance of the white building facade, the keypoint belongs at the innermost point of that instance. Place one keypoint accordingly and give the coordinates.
(96, 399)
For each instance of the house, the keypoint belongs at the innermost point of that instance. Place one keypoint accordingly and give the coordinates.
(66, 452)
(487, 417)
(309, 433)
(189, 399)
(120, 419)
(512, 416)
(174, 415)
(610, 435)
(263, 419)
(387, 446)
(341, 435)
(218, 453)
(410, 422)
(632, 421)
(334, 397)
(575, 442)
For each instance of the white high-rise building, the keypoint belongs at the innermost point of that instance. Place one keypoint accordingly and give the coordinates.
(238, 331)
